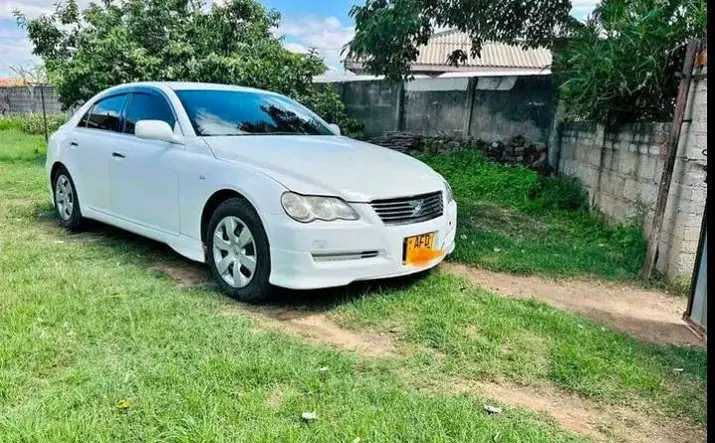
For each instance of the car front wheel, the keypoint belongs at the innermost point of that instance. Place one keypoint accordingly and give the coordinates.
(238, 252)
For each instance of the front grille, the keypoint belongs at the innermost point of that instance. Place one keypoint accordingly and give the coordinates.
(405, 210)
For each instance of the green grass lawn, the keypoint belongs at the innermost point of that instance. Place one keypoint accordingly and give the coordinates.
(97, 346)
(480, 336)
(512, 220)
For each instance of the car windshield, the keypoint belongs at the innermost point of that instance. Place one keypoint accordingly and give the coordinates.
(224, 112)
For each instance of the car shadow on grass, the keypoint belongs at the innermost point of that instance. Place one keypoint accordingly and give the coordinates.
(187, 274)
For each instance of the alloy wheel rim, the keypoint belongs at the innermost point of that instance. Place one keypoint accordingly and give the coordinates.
(234, 252)
(64, 197)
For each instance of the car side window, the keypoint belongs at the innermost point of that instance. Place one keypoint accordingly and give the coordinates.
(144, 106)
(106, 114)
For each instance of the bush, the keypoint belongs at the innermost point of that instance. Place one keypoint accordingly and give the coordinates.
(622, 65)
(475, 177)
(325, 101)
(10, 122)
(559, 193)
(32, 123)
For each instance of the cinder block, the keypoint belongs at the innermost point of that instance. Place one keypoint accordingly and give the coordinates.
(628, 163)
(648, 194)
(632, 190)
(594, 157)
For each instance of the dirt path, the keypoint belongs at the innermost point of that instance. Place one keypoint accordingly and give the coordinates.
(646, 314)
(316, 327)
(649, 315)
(584, 417)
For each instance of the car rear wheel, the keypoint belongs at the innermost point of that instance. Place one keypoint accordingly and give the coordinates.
(66, 201)
(238, 252)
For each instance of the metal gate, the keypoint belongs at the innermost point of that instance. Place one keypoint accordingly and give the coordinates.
(697, 313)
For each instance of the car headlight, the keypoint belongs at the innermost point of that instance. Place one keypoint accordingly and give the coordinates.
(306, 208)
(448, 195)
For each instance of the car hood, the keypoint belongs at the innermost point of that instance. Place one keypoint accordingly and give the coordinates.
(330, 165)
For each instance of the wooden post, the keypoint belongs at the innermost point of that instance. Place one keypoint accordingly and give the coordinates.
(44, 111)
(400, 105)
(471, 87)
(553, 145)
(671, 151)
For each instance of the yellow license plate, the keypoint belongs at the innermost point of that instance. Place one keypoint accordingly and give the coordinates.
(420, 249)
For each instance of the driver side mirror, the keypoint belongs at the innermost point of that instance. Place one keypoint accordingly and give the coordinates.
(335, 128)
(155, 130)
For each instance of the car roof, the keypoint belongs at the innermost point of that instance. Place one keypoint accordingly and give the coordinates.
(194, 86)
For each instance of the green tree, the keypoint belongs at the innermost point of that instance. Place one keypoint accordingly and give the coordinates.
(622, 65)
(389, 32)
(120, 41)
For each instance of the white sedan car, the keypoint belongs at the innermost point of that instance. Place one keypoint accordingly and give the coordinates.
(250, 182)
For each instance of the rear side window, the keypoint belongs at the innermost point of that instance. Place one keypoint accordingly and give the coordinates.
(107, 114)
(144, 106)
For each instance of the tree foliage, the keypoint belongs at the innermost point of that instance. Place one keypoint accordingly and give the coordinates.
(622, 66)
(389, 32)
(120, 41)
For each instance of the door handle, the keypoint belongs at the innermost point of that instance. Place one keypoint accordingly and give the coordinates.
(74, 144)
(118, 155)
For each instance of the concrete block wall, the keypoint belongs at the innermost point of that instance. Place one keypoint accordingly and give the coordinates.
(372, 103)
(501, 107)
(22, 100)
(621, 170)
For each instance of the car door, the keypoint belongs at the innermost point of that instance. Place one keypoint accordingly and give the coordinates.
(89, 152)
(143, 174)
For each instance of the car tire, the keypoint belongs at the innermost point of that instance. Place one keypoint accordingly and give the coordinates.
(66, 201)
(238, 251)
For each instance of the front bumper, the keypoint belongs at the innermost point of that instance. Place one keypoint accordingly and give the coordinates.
(301, 253)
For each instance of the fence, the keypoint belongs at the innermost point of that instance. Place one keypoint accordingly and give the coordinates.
(490, 108)
(26, 99)
(622, 168)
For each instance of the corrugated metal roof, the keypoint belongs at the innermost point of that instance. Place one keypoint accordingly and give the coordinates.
(7, 82)
(437, 51)
(433, 58)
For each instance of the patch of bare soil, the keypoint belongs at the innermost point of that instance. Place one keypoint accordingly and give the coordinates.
(185, 273)
(584, 417)
(316, 327)
(646, 314)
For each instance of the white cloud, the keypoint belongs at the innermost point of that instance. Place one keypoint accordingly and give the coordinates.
(325, 34)
(31, 8)
(16, 52)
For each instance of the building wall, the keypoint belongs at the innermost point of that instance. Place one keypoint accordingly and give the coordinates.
(372, 103)
(525, 107)
(435, 106)
(22, 100)
(621, 169)
(501, 107)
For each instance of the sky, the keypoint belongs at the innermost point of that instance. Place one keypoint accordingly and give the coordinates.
(321, 24)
